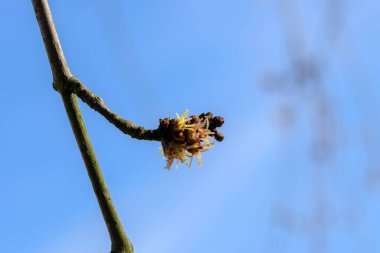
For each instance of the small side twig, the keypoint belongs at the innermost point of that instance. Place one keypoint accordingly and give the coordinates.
(75, 86)
(96, 103)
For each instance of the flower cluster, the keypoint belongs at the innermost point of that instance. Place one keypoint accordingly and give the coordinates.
(185, 137)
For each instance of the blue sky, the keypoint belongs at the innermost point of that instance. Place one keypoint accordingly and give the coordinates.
(295, 80)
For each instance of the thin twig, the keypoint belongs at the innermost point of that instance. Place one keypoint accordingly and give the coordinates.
(96, 103)
(61, 75)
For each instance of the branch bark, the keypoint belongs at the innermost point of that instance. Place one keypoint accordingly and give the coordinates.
(61, 75)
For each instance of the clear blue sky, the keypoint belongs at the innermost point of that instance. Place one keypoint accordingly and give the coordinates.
(297, 82)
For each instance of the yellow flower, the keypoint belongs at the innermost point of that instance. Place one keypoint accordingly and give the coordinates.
(186, 137)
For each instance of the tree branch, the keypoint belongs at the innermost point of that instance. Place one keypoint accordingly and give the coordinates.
(61, 75)
(179, 137)
(96, 103)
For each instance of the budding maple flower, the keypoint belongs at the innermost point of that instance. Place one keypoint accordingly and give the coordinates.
(184, 138)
